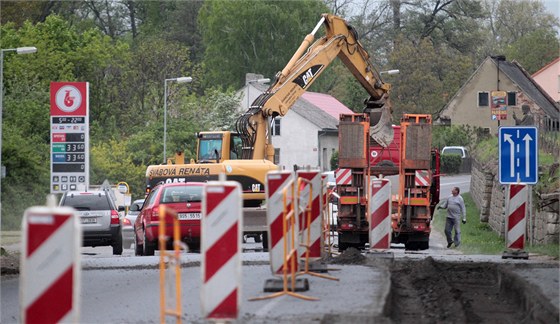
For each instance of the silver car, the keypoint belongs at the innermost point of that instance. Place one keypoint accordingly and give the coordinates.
(128, 222)
(101, 223)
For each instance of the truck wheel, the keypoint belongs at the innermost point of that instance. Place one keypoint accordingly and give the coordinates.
(118, 245)
(342, 246)
(149, 247)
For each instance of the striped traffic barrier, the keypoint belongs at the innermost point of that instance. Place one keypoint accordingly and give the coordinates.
(379, 208)
(517, 195)
(310, 225)
(166, 261)
(276, 182)
(422, 178)
(222, 236)
(289, 250)
(50, 265)
(343, 177)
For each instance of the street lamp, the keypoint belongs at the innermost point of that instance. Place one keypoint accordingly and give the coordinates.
(19, 50)
(178, 80)
(259, 81)
(390, 72)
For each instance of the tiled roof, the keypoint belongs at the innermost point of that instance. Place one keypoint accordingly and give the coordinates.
(320, 109)
(327, 103)
(522, 78)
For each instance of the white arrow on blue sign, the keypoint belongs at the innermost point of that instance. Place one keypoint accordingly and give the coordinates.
(518, 150)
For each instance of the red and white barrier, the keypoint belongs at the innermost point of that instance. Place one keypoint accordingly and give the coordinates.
(516, 220)
(380, 214)
(343, 177)
(422, 178)
(222, 236)
(276, 182)
(50, 265)
(315, 228)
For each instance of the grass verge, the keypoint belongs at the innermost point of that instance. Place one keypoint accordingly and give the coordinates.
(479, 238)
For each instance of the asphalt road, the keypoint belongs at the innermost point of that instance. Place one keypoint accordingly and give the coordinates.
(125, 289)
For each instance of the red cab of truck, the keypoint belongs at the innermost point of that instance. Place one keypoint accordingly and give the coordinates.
(386, 156)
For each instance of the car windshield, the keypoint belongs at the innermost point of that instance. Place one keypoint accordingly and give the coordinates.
(136, 206)
(87, 202)
(453, 151)
(177, 194)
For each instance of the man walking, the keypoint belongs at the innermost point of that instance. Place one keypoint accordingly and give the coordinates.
(455, 210)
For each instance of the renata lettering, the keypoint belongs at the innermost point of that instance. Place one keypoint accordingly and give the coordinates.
(194, 171)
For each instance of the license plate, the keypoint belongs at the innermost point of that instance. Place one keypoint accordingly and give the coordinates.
(188, 216)
(89, 220)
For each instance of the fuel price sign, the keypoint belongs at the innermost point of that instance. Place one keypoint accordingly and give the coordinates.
(69, 136)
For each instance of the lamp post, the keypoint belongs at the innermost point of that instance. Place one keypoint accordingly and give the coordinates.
(259, 81)
(18, 50)
(178, 80)
(390, 72)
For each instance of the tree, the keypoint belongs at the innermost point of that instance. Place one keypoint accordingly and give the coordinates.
(260, 37)
(534, 50)
(429, 76)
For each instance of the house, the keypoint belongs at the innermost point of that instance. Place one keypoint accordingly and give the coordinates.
(492, 94)
(548, 78)
(308, 134)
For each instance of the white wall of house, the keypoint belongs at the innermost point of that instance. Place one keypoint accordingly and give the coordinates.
(298, 142)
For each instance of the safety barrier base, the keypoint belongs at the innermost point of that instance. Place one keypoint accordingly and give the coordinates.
(277, 284)
(515, 254)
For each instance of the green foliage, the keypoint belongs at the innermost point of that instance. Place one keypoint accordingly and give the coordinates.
(261, 37)
(113, 161)
(487, 150)
(450, 163)
(424, 86)
(457, 135)
(534, 50)
(334, 161)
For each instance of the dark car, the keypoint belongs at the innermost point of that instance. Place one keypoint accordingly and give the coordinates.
(128, 222)
(183, 198)
(101, 223)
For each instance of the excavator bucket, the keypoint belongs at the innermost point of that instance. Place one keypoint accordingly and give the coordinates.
(381, 129)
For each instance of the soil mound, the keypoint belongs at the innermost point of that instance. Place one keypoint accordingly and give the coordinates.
(350, 256)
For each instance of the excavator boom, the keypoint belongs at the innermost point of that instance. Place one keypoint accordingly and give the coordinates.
(308, 62)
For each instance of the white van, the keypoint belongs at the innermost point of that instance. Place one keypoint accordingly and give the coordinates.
(459, 150)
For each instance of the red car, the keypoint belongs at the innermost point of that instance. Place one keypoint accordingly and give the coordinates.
(186, 200)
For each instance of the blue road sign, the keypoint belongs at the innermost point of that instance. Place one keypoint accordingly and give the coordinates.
(518, 150)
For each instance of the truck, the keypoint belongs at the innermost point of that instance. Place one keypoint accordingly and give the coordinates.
(411, 165)
(246, 155)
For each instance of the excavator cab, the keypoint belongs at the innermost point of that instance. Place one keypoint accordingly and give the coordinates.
(215, 147)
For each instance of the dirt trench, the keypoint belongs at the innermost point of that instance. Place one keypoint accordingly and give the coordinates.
(427, 291)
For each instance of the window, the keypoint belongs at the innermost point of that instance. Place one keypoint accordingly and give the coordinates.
(483, 99)
(512, 98)
(276, 156)
(276, 127)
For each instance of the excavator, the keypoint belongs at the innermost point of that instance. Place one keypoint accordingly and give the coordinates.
(246, 155)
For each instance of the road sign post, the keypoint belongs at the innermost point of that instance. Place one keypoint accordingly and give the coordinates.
(518, 155)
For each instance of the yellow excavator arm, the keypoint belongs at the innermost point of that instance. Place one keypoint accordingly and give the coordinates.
(307, 63)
